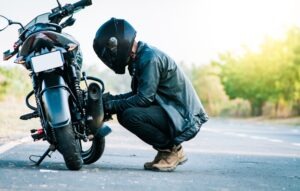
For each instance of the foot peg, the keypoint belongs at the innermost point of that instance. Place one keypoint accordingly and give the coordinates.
(34, 114)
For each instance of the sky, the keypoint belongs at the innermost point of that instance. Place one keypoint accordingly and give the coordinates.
(193, 31)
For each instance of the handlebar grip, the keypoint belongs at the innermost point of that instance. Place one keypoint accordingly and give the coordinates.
(68, 9)
(82, 4)
(59, 14)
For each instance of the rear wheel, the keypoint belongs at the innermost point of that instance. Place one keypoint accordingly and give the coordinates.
(91, 151)
(68, 147)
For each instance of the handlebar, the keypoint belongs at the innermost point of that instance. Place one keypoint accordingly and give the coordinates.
(61, 12)
(82, 4)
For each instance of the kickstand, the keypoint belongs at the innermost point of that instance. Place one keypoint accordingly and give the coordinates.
(41, 158)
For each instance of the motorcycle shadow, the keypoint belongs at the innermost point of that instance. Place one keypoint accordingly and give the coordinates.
(60, 166)
(104, 167)
(29, 165)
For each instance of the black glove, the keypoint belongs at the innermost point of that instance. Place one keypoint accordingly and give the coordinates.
(106, 98)
(107, 113)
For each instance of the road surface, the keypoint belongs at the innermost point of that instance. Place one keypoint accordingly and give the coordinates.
(225, 155)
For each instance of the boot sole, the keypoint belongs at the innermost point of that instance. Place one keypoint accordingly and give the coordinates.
(164, 169)
(146, 167)
(182, 161)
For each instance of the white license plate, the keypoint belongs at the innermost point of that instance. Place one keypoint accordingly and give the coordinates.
(47, 61)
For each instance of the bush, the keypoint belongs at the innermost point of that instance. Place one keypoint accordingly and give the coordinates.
(14, 82)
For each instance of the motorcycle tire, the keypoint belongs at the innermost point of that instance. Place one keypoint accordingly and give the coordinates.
(68, 146)
(94, 152)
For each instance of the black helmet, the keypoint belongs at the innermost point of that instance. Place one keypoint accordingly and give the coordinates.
(113, 43)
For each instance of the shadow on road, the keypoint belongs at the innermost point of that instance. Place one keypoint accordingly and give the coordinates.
(60, 166)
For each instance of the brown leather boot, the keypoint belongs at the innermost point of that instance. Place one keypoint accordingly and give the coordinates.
(181, 155)
(148, 165)
(170, 159)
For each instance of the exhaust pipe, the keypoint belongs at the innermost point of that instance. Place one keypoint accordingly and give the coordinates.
(95, 111)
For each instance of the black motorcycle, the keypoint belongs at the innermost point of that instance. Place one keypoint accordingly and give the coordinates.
(72, 118)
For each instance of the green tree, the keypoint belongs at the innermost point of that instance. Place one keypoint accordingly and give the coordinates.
(272, 74)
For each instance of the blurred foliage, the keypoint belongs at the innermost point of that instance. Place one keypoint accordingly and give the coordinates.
(208, 87)
(210, 90)
(269, 75)
(14, 82)
(114, 83)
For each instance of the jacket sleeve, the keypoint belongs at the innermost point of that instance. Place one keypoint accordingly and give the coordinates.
(122, 96)
(148, 79)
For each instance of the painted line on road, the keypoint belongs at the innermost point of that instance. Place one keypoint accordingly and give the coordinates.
(47, 170)
(212, 130)
(230, 133)
(132, 148)
(12, 144)
(127, 146)
(242, 135)
(296, 131)
(249, 136)
(275, 140)
(259, 138)
(296, 144)
(244, 153)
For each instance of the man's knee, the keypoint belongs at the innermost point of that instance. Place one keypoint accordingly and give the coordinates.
(129, 117)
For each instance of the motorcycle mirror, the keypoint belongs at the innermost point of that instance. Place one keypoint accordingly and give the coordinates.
(4, 23)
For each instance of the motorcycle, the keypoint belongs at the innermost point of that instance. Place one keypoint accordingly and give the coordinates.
(72, 118)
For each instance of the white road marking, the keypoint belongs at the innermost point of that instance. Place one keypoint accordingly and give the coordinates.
(132, 147)
(241, 135)
(7, 146)
(230, 133)
(211, 130)
(296, 144)
(275, 140)
(296, 131)
(238, 153)
(259, 138)
(248, 136)
(47, 170)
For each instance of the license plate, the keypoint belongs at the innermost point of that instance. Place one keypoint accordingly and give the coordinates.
(47, 61)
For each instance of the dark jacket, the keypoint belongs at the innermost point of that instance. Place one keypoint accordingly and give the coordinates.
(157, 78)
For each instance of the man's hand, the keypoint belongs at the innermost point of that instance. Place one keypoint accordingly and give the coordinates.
(107, 111)
(107, 98)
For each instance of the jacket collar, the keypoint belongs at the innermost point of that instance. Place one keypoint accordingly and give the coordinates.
(132, 67)
(140, 47)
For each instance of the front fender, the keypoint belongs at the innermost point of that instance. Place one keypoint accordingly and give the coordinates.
(55, 102)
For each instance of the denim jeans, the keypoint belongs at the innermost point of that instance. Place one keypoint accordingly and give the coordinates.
(150, 124)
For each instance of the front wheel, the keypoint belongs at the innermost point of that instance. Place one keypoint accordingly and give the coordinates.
(68, 147)
(93, 150)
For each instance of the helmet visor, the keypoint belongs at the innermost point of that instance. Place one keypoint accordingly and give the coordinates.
(108, 57)
(110, 52)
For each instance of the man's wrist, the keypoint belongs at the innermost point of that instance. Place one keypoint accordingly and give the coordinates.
(109, 107)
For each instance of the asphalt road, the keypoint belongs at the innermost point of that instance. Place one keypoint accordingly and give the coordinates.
(226, 155)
